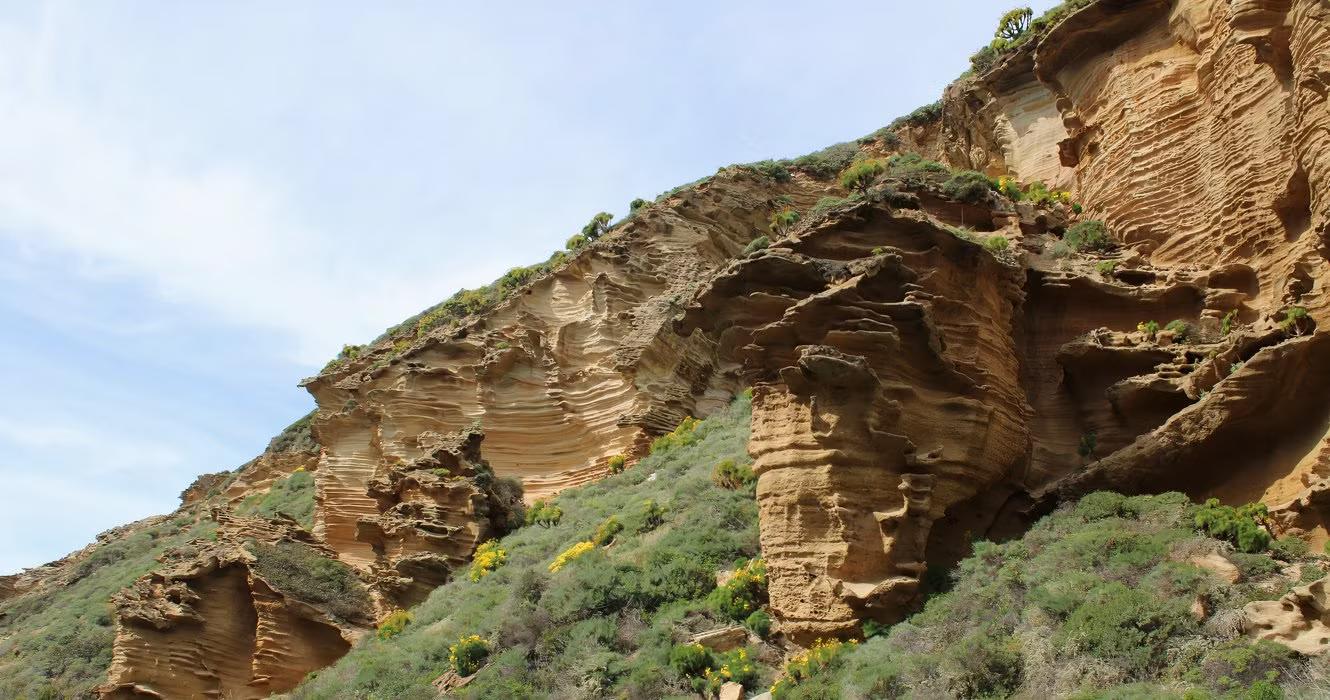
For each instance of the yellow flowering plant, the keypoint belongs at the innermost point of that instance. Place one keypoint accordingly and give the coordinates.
(570, 554)
(468, 655)
(489, 556)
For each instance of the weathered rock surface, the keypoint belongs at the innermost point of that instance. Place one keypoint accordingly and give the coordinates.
(1300, 620)
(913, 389)
(208, 625)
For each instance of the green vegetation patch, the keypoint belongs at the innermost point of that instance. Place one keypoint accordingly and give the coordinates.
(301, 572)
(56, 643)
(605, 623)
(292, 495)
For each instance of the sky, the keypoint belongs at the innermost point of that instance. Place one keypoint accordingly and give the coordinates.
(201, 202)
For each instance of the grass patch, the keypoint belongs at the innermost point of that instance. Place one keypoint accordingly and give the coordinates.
(293, 495)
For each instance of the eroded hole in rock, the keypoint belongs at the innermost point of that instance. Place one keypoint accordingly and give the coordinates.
(1294, 206)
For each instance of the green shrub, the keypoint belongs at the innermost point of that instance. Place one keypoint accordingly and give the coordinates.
(921, 116)
(1089, 236)
(1229, 322)
(827, 204)
(577, 242)
(1106, 268)
(683, 435)
(616, 464)
(1243, 526)
(1289, 548)
(729, 475)
(636, 204)
(968, 186)
(1149, 328)
(759, 622)
(997, 243)
(861, 175)
(822, 657)
(1088, 444)
(468, 655)
(598, 226)
(292, 495)
(489, 556)
(782, 221)
(772, 169)
(690, 659)
(650, 516)
(828, 161)
(606, 531)
(745, 592)
(1120, 623)
(393, 624)
(1295, 320)
(1014, 24)
(1237, 664)
(759, 243)
(301, 572)
(1181, 329)
(543, 513)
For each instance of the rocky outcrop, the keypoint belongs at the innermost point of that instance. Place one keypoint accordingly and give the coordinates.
(1198, 131)
(209, 624)
(433, 513)
(885, 391)
(577, 367)
(1300, 620)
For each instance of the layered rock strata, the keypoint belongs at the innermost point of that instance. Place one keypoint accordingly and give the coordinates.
(208, 624)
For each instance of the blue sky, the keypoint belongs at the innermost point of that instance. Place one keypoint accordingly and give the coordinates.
(200, 202)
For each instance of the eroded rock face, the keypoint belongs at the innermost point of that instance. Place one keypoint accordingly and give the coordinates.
(1300, 620)
(433, 513)
(579, 366)
(208, 625)
(886, 390)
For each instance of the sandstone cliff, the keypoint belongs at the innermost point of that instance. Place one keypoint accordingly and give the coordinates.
(917, 382)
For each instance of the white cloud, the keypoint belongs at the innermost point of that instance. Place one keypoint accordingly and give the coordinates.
(217, 237)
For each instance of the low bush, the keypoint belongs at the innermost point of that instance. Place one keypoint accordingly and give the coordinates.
(861, 175)
(921, 116)
(744, 593)
(1229, 322)
(690, 659)
(823, 656)
(606, 531)
(303, 573)
(650, 516)
(292, 495)
(826, 204)
(968, 186)
(1295, 320)
(731, 475)
(1243, 526)
(1149, 328)
(393, 624)
(775, 170)
(1089, 236)
(759, 243)
(1181, 329)
(1106, 268)
(782, 221)
(572, 553)
(1289, 548)
(683, 435)
(544, 514)
(829, 161)
(616, 464)
(468, 655)
(997, 243)
(636, 204)
(759, 622)
(489, 556)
